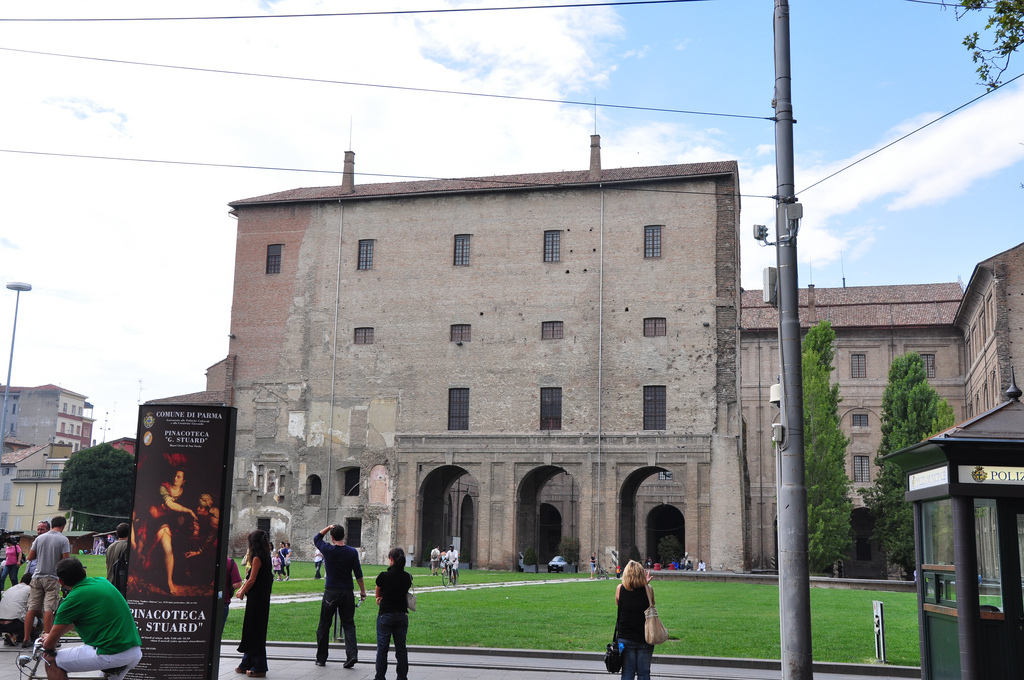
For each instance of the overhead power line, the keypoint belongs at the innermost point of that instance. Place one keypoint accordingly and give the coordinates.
(442, 10)
(912, 132)
(504, 183)
(405, 88)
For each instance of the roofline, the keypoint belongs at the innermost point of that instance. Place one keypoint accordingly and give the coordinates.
(480, 190)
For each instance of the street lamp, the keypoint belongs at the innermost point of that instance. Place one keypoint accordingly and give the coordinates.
(19, 288)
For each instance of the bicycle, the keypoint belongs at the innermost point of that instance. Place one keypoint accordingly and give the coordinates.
(446, 575)
(29, 667)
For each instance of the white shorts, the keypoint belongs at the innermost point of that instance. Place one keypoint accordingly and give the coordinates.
(82, 658)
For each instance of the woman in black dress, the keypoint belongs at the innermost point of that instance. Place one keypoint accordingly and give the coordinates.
(633, 596)
(393, 617)
(258, 583)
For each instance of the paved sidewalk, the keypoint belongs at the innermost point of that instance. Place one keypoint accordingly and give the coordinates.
(294, 661)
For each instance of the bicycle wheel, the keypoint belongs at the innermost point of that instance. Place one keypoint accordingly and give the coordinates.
(445, 579)
(455, 577)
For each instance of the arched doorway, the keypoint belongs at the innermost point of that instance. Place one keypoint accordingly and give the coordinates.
(632, 532)
(662, 521)
(547, 510)
(448, 512)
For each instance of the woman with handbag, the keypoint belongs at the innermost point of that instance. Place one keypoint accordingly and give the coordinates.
(392, 593)
(633, 597)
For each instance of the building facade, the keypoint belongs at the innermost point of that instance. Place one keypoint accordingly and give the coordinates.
(494, 362)
(30, 484)
(49, 414)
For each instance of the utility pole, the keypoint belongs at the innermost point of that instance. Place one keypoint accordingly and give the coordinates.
(794, 574)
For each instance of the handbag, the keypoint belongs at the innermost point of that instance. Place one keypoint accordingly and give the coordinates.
(612, 658)
(655, 632)
(410, 599)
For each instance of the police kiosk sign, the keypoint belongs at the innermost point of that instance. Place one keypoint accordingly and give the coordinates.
(176, 569)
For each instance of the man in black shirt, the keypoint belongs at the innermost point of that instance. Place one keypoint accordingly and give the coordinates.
(341, 562)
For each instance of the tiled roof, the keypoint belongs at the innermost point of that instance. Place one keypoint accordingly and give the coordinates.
(205, 397)
(929, 304)
(15, 457)
(498, 182)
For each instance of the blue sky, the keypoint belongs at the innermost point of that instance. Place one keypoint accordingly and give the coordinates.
(132, 262)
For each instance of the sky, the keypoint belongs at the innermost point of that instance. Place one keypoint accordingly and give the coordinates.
(131, 262)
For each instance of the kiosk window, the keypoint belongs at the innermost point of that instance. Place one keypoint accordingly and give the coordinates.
(986, 536)
(937, 532)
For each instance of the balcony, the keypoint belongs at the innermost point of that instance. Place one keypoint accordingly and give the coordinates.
(38, 474)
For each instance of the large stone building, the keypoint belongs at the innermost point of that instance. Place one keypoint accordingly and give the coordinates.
(49, 414)
(497, 362)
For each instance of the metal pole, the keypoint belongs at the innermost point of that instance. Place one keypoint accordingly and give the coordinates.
(18, 288)
(794, 575)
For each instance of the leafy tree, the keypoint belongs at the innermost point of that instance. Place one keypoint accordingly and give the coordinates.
(569, 549)
(634, 554)
(828, 488)
(670, 549)
(911, 411)
(1007, 18)
(98, 480)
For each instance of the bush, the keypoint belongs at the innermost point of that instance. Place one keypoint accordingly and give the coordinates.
(634, 554)
(670, 549)
(569, 549)
(530, 557)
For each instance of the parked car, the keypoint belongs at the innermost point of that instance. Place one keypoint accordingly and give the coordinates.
(556, 564)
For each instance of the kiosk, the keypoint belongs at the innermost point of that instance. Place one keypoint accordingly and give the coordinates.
(967, 487)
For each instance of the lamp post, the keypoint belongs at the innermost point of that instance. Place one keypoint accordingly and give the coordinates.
(19, 288)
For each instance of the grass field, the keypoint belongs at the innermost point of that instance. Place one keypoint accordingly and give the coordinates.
(703, 618)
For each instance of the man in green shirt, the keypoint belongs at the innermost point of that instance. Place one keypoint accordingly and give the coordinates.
(103, 620)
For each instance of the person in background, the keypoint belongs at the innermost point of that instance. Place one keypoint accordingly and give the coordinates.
(593, 564)
(48, 549)
(275, 560)
(632, 598)
(435, 560)
(393, 616)
(232, 580)
(286, 560)
(115, 552)
(41, 528)
(13, 608)
(318, 561)
(258, 585)
(12, 562)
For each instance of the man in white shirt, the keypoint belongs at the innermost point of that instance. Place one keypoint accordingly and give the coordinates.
(453, 560)
(13, 608)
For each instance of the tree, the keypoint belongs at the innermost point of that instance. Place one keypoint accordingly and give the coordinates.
(911, 411)
(98, 480)
(1007, 19)
(828, 488)
(569, 549)
(670, 549)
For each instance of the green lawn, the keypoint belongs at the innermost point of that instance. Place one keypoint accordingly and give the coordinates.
(703, 618)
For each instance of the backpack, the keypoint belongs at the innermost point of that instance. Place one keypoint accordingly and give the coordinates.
(121, 573)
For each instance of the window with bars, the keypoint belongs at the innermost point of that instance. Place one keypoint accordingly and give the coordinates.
(860, 419)
(461, 332)
(552, 246)
(551, 408)
(364, 336)
(458, 408)
(665, 476)
(929, 364)
(274, 258)
(861, 469)
(461, 250)
(551, 330)
(652, 241)
(654, 326)
(365, 254)
(858, 366)
(654, 407)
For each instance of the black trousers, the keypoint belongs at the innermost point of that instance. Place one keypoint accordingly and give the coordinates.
(344, 603)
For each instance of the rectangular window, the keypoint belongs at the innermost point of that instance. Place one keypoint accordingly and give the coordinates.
(65, 407)
(861, 469)
(21, 497)
(62, 427)
(354, 534)
(458, 408)
(17, 523)
(274, 258)
(551, 408)
(263, 524)
(654, 326)
(858, 366)
(552, 246)
(461, 250)
(929, 364)
(352, 482)
(551, 330)
(51, 496)
(665, 476)
(3, 520)
(860, 419)
(461, 332)
(654, 407)
(652, 241)
(7, 491)
(365, 254)
(364, 336)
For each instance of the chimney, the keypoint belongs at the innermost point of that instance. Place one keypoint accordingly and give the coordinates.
(811, 313)
(348, 182)
(595, 157)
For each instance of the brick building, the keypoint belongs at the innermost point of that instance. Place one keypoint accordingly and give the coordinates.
(497, 362)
